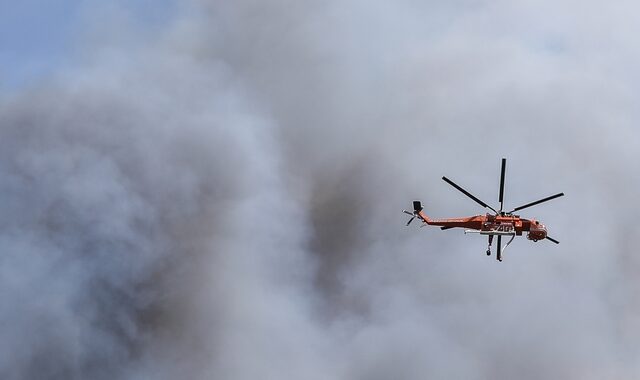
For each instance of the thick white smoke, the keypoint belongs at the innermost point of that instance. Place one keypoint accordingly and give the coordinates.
(223, 200)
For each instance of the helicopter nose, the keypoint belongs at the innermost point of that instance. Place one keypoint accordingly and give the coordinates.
(537, 232)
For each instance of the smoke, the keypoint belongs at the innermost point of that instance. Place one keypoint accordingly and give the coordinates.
(222, 200)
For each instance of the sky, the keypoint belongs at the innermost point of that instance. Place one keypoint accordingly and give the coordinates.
(38, 38)
(212, 189)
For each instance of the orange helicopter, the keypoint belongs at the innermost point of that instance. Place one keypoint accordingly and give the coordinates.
(499, 224)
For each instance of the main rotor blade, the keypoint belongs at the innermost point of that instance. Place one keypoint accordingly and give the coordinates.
(537, 202)
(468, 194)
(501, 197)
(553, 240)
(499, 251)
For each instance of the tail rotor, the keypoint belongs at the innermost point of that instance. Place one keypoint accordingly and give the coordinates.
(417, 207)
(412, 216)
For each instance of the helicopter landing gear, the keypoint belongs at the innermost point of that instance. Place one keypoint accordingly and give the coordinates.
(489, 247)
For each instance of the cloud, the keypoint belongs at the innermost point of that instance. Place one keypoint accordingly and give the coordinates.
(223, 201)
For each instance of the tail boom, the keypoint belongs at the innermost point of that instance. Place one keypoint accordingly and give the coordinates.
(472, 222)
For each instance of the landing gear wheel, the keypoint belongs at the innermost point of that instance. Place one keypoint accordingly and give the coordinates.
(488, 252)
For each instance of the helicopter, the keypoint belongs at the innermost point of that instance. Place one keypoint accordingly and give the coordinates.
(499, 224)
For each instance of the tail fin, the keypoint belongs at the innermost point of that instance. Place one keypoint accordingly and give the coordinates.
(417, 210)
(417, 213)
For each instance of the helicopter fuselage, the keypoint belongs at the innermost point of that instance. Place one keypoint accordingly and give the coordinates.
(489, 224)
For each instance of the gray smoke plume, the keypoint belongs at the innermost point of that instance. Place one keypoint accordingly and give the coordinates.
(222, 200)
